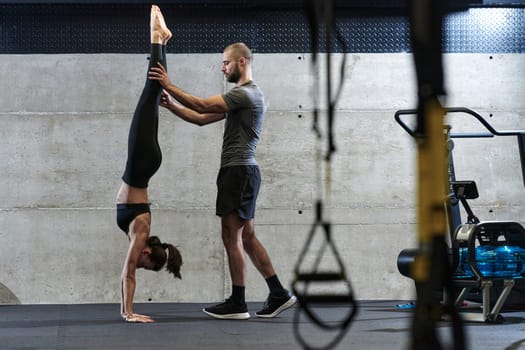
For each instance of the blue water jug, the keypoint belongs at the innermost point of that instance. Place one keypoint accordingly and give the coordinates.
(493, 261)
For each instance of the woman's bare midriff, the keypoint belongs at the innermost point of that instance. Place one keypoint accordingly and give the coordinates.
(130, 194)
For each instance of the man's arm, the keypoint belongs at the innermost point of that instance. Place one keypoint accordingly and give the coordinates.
(187, 113)
(212, 104)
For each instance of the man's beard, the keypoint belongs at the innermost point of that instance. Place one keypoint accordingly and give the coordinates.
(235, 75)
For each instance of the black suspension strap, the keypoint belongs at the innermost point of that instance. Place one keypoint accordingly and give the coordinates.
(314, 285)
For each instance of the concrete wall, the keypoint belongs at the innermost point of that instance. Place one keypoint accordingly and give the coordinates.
(63, 138)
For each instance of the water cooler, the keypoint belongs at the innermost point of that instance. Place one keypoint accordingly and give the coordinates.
(489, 255)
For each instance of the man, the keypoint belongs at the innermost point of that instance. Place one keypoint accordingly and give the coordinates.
(238, 180)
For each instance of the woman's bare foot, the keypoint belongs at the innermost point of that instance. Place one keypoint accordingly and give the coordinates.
(167, 32)
(160, 34)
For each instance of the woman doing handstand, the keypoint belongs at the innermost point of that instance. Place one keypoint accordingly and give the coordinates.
(144, 159)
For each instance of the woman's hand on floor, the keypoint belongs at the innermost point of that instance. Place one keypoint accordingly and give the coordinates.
(137, 318)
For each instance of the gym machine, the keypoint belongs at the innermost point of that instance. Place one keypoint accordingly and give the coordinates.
(484, 255)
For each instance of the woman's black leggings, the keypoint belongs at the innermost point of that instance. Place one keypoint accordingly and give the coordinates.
(144, 154)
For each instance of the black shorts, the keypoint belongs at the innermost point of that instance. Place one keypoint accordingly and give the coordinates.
(237, 190)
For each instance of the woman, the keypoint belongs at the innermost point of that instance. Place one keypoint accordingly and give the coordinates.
(144, 158)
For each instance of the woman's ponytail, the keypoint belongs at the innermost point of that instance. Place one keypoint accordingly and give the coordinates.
(174, 260)
(159, 257)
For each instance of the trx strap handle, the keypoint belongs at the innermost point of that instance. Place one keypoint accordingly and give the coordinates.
(308, 300)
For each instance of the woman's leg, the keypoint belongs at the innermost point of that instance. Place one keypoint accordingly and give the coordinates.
(144, 154)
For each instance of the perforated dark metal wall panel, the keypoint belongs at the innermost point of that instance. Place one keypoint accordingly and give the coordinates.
(118, 28)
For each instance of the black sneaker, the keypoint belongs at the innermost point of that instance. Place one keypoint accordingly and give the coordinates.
(274, 305)
(228, 311)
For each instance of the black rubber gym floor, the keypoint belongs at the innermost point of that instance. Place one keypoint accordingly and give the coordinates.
(377, 325)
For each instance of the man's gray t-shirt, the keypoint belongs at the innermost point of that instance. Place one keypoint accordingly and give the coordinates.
(243, 125)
